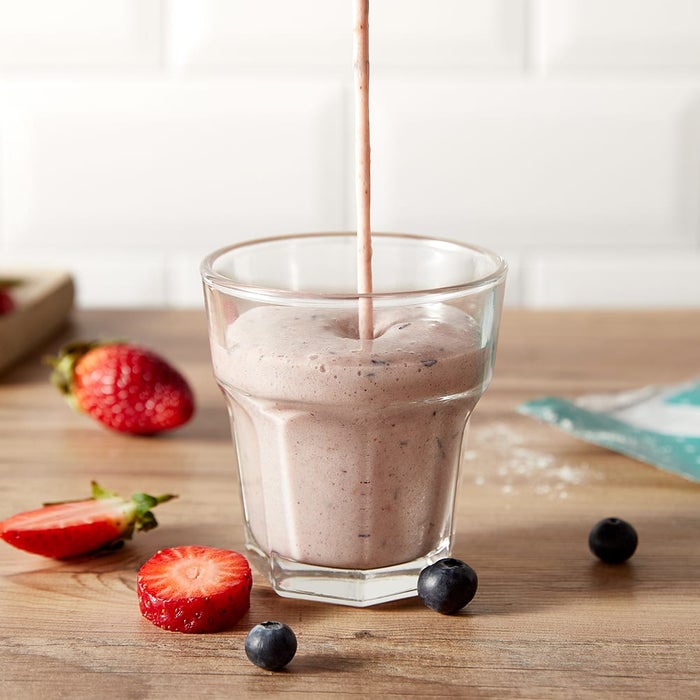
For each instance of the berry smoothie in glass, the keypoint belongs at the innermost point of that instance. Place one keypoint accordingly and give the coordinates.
(351, 363)
(349, 448)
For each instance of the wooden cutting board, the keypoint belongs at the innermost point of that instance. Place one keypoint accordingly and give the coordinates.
(43, 301)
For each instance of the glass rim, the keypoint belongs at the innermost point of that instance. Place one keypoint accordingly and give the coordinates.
(225, 284)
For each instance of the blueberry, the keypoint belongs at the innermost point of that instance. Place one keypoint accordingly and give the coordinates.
(613, 540)
(271, 645)
(447, 585)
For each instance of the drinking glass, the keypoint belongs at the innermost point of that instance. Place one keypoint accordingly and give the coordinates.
(349, 449)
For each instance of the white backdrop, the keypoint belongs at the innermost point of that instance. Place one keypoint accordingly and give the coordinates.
(136, 135)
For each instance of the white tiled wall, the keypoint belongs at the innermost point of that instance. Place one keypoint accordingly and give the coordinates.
(137, 135)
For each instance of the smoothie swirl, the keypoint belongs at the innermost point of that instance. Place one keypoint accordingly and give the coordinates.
(349, 448)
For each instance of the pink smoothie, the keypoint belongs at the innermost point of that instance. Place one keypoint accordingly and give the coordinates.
(349, 449)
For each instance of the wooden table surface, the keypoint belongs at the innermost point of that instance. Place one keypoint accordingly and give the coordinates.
(548, 621)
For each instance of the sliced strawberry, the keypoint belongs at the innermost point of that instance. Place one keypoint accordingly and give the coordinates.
(7, 303)
(194, 588)
(71, 528)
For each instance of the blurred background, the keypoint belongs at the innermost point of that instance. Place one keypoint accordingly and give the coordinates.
(138, 135)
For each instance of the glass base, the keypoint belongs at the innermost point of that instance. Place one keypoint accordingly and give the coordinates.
(353, 587)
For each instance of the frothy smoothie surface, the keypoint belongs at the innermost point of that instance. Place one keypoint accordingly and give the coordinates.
(348, 448)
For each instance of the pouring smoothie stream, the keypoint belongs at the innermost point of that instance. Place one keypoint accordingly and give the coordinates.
(350, 364)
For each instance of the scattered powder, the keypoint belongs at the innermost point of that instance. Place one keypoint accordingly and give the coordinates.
(518, 468)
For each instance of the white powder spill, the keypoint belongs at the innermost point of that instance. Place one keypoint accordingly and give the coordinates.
(519, 469)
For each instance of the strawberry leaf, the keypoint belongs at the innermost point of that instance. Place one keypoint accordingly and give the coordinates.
(98, 492)
(143, 502)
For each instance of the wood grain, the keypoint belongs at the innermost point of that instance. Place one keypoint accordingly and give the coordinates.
(548, 621)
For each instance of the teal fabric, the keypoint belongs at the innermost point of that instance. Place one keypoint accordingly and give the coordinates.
(678, 454)
(689, 396)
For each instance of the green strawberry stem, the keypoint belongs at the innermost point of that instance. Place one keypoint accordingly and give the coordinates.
(142, 503)
(64, 366)
(145, 520)
(140, 506)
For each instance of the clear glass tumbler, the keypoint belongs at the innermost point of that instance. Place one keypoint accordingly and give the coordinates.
(349, 449)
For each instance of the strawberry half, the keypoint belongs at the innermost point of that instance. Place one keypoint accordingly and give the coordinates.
(72, 528)
(123, 386)
(194, 588)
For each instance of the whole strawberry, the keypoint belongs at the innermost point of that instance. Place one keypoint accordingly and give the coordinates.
(7, 299)
(72, 528)
(7, 303)
(123, 386)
